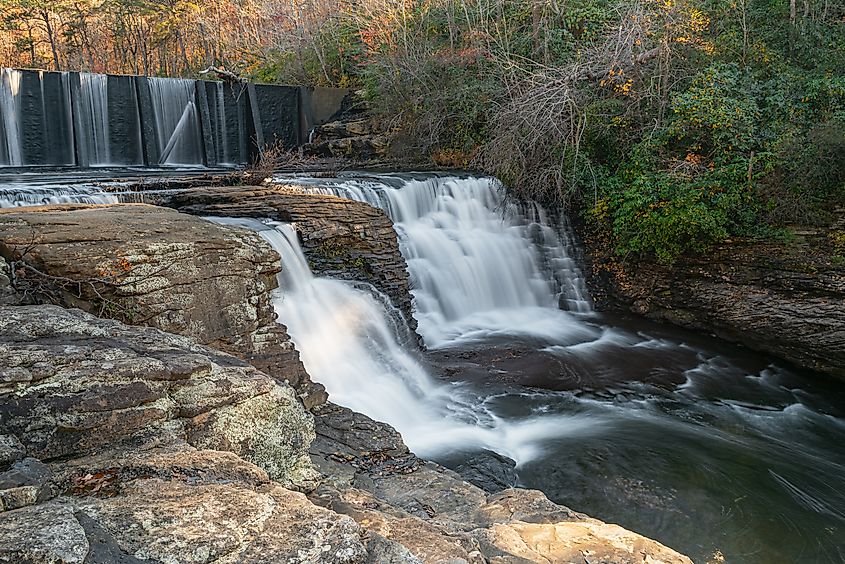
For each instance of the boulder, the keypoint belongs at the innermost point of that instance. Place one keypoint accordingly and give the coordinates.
(72, 384)
(152, 266)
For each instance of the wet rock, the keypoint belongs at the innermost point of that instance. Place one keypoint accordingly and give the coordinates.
(488, 470)
(152, 266)
(90, 383)
(786, 300)
(341, 238)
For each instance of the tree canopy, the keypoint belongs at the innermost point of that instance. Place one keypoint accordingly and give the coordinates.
(672, 124)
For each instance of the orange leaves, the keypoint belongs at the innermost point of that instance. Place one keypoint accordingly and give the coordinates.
(118, 267)
(616, 80)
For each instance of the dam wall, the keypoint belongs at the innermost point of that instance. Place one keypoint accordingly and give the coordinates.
(71, 119)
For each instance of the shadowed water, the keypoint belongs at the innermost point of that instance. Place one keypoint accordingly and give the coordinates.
(713, 450)
(705, 446)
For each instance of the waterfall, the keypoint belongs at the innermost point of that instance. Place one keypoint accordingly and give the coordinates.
(480, 266)
(10, 134)
(13, 195)
(177, 121)
(348, 342)
(93, 118)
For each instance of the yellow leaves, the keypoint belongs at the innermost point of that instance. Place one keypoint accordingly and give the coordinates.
(694, 158)
(624, 88)
(615, 79)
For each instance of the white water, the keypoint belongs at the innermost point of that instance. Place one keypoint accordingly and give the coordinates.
(10, 134)
(176, 121)
(348, 342)
(14, 194)
(480, 267)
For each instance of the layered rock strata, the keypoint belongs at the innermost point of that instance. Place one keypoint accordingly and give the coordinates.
(786, 300)
(341, 238)
(152, 266)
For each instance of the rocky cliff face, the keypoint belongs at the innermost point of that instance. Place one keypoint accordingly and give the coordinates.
(787, 300)
(156, 267)
(341, 238)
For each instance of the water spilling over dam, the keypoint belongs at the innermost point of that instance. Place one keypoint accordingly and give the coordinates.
(70, 119)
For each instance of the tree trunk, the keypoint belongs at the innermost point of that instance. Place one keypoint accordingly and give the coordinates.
(45, 15)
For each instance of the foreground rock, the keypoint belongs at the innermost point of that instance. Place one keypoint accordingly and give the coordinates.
(152, 266)
(787, 300)
(126, 444)
(72, 384)
(341, 238)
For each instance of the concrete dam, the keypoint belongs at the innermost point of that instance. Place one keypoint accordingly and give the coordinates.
(72, 119)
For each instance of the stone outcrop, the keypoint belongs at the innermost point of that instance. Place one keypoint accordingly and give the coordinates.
(786, 300)
(351, 138)
(124, 443)
(73, 384)
(101, 462)
(153, 266)
(341, 238)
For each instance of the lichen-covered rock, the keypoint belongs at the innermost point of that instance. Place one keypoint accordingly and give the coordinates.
(175, 504)
(27, 482)
(71, 384)
(11, 450)
(156, 267)
(269, 430)
(341, 238)
(171, 521)
(43, 534)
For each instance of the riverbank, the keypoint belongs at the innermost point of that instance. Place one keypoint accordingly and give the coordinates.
(786, 298)
(112, 432)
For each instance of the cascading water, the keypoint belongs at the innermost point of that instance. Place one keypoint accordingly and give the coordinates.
(28, 195)
(93, 118)
(10, 134)
(176, 121)
(343, 332)
(713, 450)
(479, 265)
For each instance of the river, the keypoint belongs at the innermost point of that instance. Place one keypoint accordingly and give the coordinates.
(717, 451)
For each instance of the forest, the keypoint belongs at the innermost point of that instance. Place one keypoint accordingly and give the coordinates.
(670, 125)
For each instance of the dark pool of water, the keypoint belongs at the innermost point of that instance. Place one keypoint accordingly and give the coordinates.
(708, 447)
